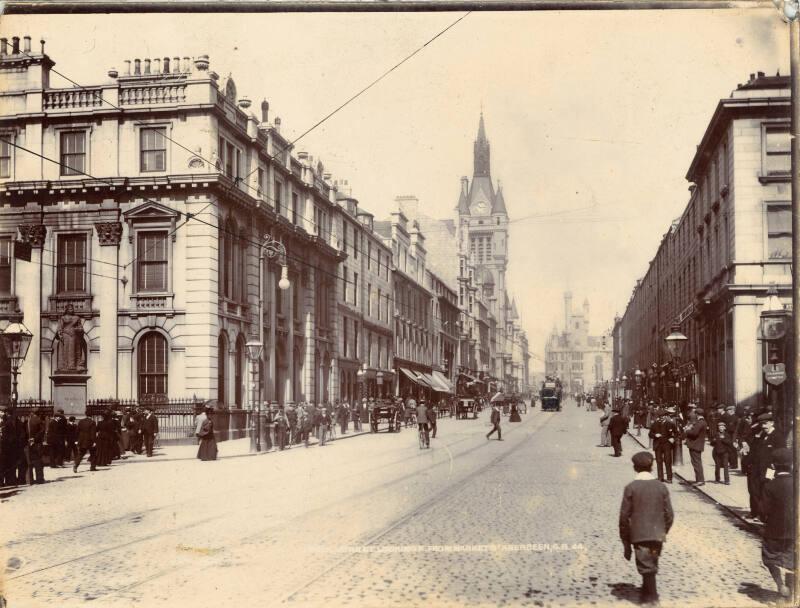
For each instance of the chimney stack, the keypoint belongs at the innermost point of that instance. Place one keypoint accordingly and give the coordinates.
(176, 65)
(127, 67)
(278, 124)
(760, 74)
(146, 66)
(15, 45)
(166, 65)
(27, 44)
(3, 47)
(137, 67)
(464, 184)
(265, 111)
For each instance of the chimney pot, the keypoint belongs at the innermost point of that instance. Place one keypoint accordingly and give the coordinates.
(176, 65)
(278, 124)
(112, 73)
(265, 111)
(156, 66)
(42, 43)
(244, 103)
(166, 65)
(201, 63)
(187, 67)
(127, 67)
(752, 77)
(146, 66)
(27, 44)
(137, 67)
(761, 74)
(3, 44)
(15, 45)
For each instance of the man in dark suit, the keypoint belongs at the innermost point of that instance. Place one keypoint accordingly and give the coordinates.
(777, 545)
(34, 449)
(617, 427)
(56, 436)
(645, 518)
(762, 444)
(696, 442)
(731, 421)
(149, 430)
(86, 441)
(663, 433)
(495, 420)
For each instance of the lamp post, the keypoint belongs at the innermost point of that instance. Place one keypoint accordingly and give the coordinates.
(676, 342)
(379, 382)
(270, 248)
(774, 327)
(254, 350)
(16, 340)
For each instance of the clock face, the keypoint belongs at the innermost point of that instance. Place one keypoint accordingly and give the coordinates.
(481, 207)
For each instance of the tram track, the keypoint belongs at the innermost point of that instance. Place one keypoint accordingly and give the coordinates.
(443, 457)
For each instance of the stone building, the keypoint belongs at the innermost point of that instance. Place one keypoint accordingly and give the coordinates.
(579, 359)
(365, 356)
(413, 304)
(715, 263)
(146, 198)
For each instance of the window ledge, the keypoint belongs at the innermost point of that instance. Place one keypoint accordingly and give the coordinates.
(775, 179)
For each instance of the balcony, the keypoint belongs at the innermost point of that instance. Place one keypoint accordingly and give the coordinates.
(81, 303)
(152, 94)
(9, 307)
(152, 301)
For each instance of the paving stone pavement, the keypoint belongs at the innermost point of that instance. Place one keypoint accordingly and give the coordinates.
(463, 523)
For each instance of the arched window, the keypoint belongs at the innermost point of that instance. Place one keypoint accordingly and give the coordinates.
(152, 365)
(222, 356)
(239, 373)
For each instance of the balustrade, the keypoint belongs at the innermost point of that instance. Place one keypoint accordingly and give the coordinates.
(152, 94)
(72, 98)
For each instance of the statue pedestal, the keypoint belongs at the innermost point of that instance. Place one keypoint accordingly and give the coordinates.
(69, 393)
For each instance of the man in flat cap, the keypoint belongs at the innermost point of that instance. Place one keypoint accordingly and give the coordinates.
(777, 545)
(645, 518)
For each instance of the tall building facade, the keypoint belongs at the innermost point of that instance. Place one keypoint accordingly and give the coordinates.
(715, 263)
(471, 251)
(579, 359)
(146, 199)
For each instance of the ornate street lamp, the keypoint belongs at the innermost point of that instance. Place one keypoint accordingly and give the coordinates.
(254, 350)
(379, 382)
(16, 341)
(774, 317)
(676, 342)
(270, 248)
(775, 320)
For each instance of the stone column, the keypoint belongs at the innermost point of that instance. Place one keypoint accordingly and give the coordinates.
(29, 300)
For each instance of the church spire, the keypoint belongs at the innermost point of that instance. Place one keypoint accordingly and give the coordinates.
(481, 152)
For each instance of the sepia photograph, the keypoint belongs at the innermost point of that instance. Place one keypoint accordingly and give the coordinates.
(399, 303)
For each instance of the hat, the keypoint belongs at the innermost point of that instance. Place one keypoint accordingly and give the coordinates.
(59, 411)
(643, 460)
(671, 410)
(767, 417)
(660, 412)
(730, 407)
(782, 457)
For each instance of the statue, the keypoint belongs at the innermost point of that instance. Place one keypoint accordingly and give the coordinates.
(71, 355)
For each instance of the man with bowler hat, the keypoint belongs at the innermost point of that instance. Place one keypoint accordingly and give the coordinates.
(663, 433)
(696, 442)
(645, 518)
(617, 427)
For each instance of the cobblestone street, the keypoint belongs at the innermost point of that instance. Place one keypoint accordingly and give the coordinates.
(531, 520)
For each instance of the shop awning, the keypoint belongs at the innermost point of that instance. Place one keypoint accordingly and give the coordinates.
(435, 384)
(424, 380)
(497, 398)
(410, 375)
(442, 381)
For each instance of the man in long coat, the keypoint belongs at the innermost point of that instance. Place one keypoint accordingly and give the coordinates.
(617, 427)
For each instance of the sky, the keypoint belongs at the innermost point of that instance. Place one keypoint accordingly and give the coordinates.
(593, 116)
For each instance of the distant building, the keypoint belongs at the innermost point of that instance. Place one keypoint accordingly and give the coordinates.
(580, 360)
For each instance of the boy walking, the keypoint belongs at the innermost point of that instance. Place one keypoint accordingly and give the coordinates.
(645, 518)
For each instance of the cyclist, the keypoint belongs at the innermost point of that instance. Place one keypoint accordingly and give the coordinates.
(422, 422)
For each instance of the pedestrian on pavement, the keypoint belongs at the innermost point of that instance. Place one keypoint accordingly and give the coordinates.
(124, 431)
(605, 418)
(325, 422)
(34, 450)
(645, 518)
(198, 423)
(86, 442)
(306, 422)
(731, 421)
(777, 545)
(149, 430)
(8, 472)
(762, 444)
(135, 428)
(639, 413)
(208, 442)
(268, 424)
(281, 428)
(72, 439)
(105, 440)
(55, 438)
(495, 420)
(696, 440)
(617, 427)
(663, 433)
(721, 453)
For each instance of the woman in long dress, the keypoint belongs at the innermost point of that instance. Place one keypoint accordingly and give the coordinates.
(208, 443)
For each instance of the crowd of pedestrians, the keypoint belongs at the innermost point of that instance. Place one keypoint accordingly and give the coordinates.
(741, 439)
(29, 439)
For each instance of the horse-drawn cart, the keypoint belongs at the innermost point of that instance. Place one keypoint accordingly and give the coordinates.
(465, 407)
(384, 412)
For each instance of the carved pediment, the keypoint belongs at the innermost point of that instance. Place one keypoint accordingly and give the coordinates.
(151, 212)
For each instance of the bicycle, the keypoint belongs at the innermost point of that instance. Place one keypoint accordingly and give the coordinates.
(424, 439)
